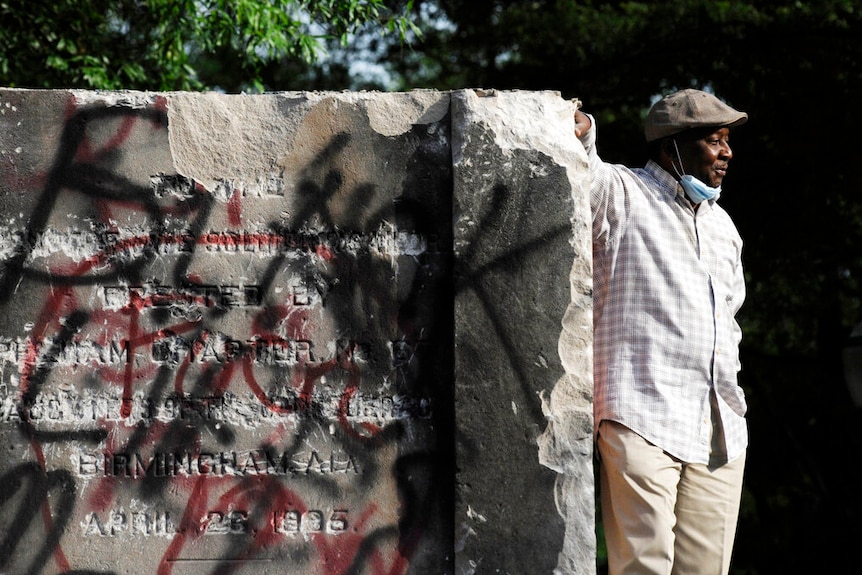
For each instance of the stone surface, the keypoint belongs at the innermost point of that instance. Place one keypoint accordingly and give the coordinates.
(241, 334)
(521, 220)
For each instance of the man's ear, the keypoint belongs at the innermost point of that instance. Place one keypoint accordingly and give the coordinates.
(667, 148)
(668, 158)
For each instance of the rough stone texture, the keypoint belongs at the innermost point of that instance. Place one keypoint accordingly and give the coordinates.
(230, 327)
(521, 220)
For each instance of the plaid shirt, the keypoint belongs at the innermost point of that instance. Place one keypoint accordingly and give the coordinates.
(667, 285)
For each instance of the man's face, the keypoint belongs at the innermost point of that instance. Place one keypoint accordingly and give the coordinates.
(706, 155)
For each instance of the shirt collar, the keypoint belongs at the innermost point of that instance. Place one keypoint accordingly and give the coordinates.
(665, 180)
(669, 186)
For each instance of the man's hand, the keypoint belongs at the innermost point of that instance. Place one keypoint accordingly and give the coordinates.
(582, 123)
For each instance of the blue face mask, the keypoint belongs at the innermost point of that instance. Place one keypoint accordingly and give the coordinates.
(696, 190)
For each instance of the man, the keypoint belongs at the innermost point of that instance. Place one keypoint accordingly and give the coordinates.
(669, 415)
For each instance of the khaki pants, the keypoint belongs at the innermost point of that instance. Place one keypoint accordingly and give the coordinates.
(662, 516)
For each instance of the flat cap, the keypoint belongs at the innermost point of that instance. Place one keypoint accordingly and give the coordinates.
(688, 109)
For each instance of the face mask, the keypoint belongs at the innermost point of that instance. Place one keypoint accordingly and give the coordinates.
(696, 190)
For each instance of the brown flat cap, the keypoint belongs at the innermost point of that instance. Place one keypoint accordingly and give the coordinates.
(688, 109)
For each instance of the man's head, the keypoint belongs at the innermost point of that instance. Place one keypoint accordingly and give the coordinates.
(688, 109)
(691, 132)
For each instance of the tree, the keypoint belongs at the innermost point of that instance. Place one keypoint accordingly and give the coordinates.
(175, 44)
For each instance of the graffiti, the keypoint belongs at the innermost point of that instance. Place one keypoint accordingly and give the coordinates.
(512, 265)
(225, 382)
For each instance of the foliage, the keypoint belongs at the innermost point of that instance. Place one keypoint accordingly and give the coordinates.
(166, 44)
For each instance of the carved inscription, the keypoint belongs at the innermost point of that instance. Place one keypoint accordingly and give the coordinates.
(254, 462)
(292, 521)
(135, 523)
(229, 375)
(207, 346)
(287, 522)
(110, 245)
(73, 407)
(158, 296)
(64, 352)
